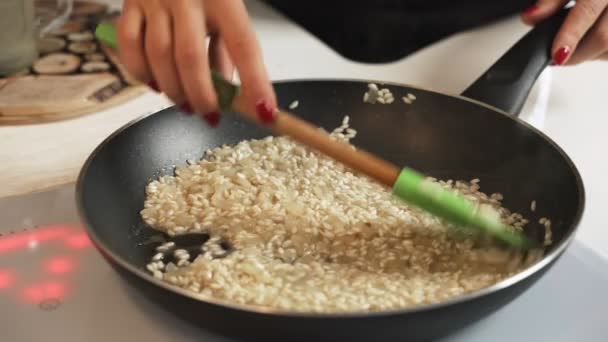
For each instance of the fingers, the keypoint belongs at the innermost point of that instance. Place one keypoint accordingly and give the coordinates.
(220, 59)
(241, 42)
(578, 22)
(164, 42)
(159, 47)
(541, 10)
(580, 19)
(192, 60)
(594, 45)
(130, 34)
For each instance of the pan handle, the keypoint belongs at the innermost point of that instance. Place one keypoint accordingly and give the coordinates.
(507, 84)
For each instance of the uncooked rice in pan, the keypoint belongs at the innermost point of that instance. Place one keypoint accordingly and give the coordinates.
(310, 235)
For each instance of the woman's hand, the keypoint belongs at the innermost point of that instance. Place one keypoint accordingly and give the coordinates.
(163, 43)
(584, 34)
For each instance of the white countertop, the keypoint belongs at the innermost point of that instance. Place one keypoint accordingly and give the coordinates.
(36, 158)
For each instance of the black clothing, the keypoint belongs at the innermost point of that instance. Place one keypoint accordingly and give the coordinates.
(379, 31)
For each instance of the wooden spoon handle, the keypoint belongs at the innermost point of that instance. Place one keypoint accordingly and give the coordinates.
(311, 136)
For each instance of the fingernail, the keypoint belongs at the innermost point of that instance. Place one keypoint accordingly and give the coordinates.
(186, 108)
(154, 86)
(265, 111)
(530, 10)
(212, 118)
(561, 55)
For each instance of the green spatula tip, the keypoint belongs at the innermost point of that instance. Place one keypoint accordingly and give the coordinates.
(412, 187)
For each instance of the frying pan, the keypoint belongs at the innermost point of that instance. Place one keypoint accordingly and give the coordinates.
(475, 135)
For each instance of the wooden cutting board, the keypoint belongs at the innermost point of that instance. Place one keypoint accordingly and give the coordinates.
(39, 148)
(74, 75)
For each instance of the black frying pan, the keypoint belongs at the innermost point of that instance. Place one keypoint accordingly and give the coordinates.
(441, 135)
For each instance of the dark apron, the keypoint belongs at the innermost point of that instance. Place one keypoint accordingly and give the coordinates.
(380, 31)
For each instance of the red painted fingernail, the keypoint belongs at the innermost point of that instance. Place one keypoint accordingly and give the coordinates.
(186, 108)
(530, 10)
(212, 118)
(265, 111)
(561, 55)
(154, 86)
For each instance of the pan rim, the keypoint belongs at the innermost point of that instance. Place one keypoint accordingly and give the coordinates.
(547, 259)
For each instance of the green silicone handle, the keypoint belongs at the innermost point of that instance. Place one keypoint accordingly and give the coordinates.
(106, 33)
(226, 91)
(413, 188)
